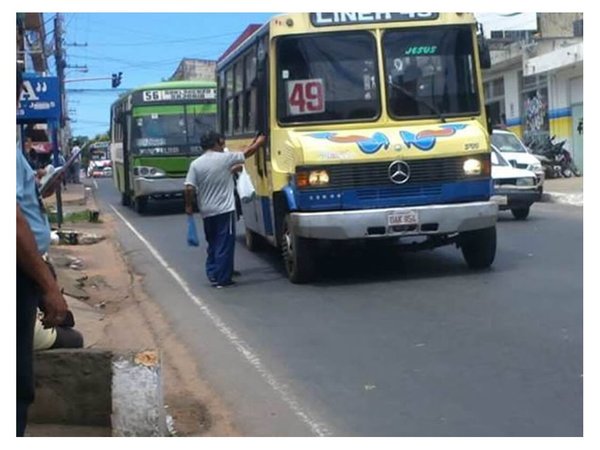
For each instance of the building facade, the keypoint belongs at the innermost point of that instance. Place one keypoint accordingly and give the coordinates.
(195, 69)
(535, 84)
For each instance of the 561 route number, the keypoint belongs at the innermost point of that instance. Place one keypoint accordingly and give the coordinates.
(306, 97)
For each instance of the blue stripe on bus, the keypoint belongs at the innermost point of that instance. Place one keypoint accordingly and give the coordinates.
(265, 203)
(394, 196)
(290, 195)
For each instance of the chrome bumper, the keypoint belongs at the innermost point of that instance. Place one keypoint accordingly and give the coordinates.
(150, 186)
(373, 223)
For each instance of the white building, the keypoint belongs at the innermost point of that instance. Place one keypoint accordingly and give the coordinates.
(535, 84)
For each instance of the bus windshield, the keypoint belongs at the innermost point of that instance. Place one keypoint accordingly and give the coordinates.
(327, 77)
(430, 72)
(170, 133)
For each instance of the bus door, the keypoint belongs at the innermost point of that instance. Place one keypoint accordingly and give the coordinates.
(263, 155)
(263, 202)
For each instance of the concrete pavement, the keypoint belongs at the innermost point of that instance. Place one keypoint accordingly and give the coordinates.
(564, 190)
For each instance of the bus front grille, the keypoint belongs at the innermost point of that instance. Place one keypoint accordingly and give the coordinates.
(440, 170)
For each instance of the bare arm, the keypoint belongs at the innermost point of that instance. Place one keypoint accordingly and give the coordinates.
(254, 146)
(30, 261)
(189, 193)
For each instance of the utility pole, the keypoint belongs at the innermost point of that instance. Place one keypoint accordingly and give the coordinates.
(58, 131)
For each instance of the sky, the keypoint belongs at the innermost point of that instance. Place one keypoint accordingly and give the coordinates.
(147, 47)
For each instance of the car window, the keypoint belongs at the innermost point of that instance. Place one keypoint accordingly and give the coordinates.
(508, 142)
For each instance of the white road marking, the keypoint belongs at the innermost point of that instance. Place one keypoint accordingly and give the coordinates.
(239, 344)
(95, 184)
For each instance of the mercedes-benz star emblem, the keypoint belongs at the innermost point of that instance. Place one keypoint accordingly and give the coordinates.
(399, 172)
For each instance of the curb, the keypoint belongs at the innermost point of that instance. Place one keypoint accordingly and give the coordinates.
(575, 199)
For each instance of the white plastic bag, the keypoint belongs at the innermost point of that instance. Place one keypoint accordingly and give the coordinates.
(245, 189)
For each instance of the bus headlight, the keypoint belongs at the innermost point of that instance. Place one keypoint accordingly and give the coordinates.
(148, 172)
(472, 167)
(318, 178)
(305, 178)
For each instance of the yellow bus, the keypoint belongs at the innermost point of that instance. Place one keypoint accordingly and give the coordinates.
(376, 130)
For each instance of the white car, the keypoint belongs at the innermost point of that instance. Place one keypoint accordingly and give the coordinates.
(514, 189)
(99, 168)
(517, 154)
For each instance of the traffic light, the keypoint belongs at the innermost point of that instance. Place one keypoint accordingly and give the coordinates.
(116, 79)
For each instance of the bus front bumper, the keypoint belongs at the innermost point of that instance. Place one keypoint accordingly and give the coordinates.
(391, 222)
(157, 186)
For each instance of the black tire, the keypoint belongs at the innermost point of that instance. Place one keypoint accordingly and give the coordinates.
(140, 203)
(125, 199)
(479, 247)
(520, 213)
(254, 242)
(297, 255)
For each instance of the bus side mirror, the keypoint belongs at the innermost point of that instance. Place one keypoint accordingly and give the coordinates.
(485, 59)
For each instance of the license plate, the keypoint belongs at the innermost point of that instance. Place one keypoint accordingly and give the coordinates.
(403, 218)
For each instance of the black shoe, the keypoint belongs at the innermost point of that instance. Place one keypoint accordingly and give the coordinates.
(222, 285)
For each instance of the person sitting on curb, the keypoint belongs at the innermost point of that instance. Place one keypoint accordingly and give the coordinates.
(60, 336)
(36, 285)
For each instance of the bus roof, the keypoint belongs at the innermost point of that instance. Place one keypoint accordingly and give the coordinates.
(298, 23)
(177, 84)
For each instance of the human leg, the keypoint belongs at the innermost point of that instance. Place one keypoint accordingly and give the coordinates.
(27, 302)
(210, 228)
(224, 248)
(67, 337)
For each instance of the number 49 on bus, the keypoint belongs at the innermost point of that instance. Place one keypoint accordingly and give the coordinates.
(306, 96)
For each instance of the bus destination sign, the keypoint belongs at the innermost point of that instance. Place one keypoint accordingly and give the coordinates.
(324, 19)
(167, 95)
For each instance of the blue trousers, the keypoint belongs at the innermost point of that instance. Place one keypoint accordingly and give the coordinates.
(219, 232)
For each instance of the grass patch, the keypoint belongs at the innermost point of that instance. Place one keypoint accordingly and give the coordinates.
(75, 217)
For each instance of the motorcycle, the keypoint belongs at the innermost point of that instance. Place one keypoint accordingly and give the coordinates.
(555, 158)
(567, 165)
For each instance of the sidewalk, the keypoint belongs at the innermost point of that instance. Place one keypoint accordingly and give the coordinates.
(73, 199)
(117, 318)
(564, 190)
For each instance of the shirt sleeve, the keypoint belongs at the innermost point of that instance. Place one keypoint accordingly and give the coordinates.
(20, 174)
(191, 179)
(236, 158)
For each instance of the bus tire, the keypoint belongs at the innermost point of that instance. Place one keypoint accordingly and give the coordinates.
(125, 199)
(254, 241)
(140, 203)
(297, 255)
(520, 213)
(479, 247)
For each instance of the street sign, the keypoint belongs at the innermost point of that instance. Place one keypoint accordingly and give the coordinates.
(40, 98)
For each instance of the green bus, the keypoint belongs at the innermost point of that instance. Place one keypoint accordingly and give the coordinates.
(154, 136)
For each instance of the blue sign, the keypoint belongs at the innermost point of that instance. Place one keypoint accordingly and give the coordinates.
(40, 98)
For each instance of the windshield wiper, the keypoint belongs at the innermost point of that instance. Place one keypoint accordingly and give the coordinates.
(405, 91)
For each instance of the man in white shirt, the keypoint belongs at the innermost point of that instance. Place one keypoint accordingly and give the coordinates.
(209, 177)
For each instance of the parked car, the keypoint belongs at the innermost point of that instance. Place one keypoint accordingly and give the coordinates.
(514, 189)
(99, 168)
(518, 155)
